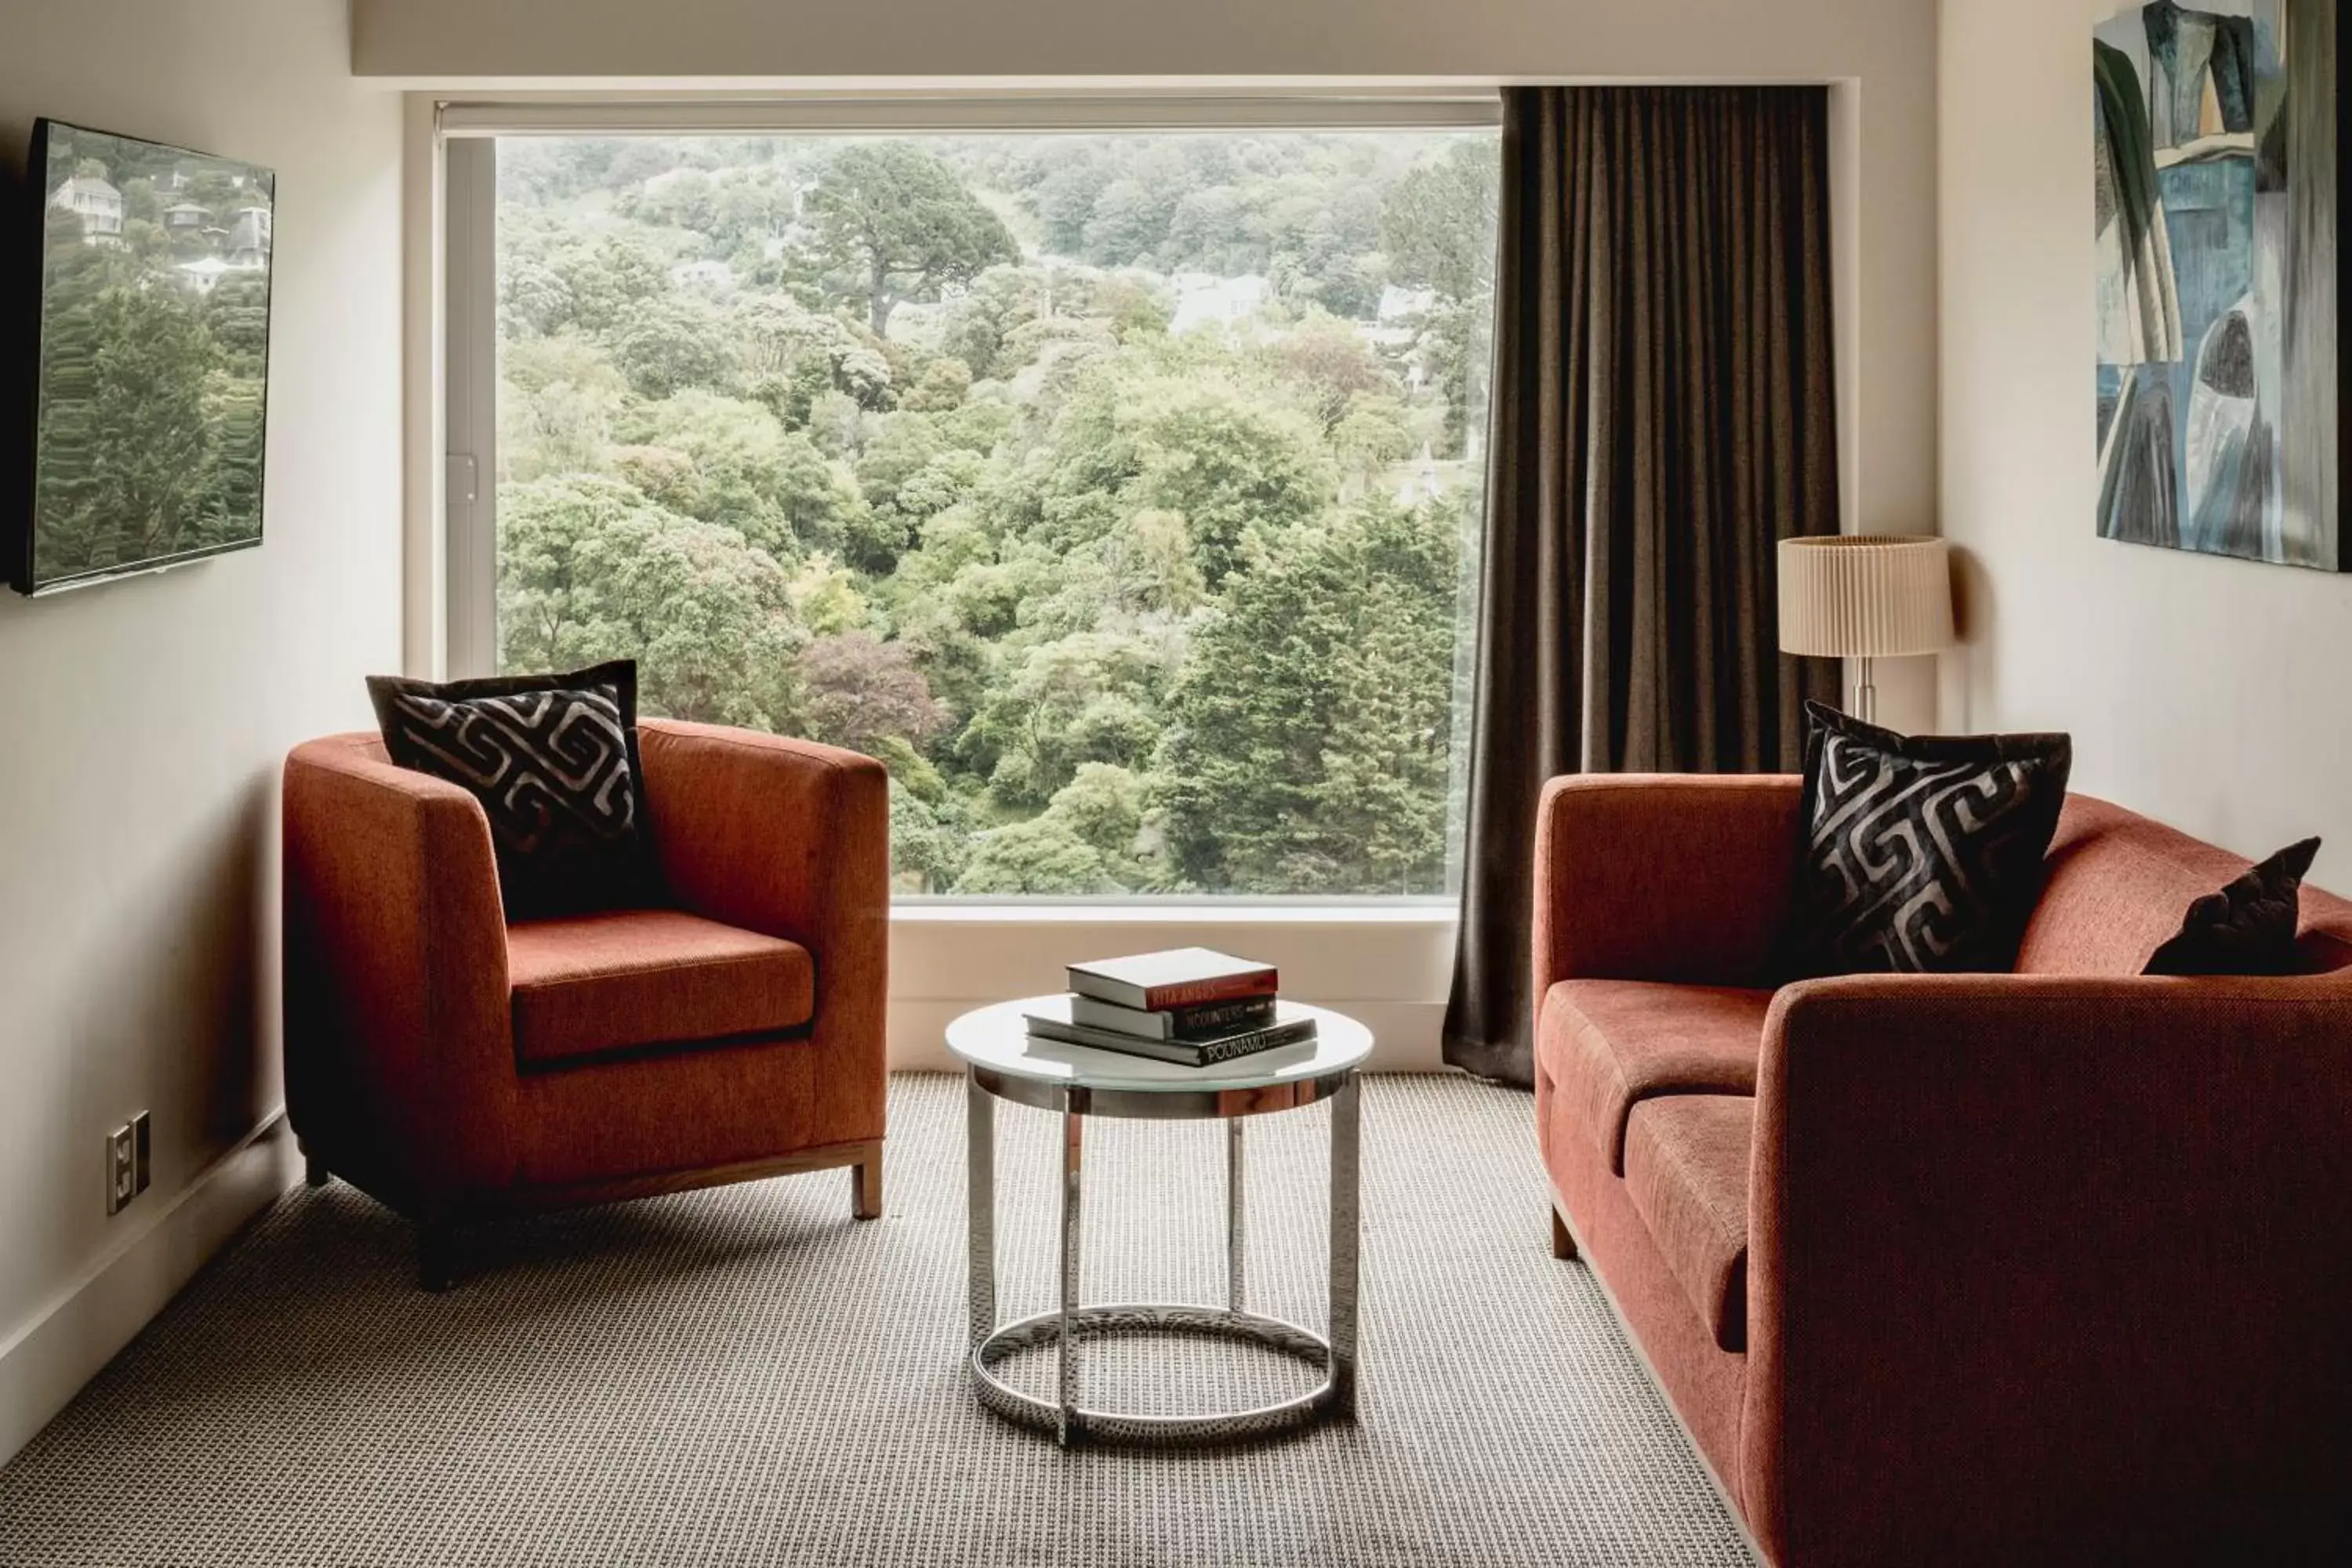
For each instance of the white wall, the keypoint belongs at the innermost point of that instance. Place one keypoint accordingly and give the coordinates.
(141, 724)
(2210, 693)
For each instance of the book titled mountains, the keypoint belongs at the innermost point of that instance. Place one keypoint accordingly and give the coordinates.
(1186, 978)
(1205, 1022)
(1291, 1025)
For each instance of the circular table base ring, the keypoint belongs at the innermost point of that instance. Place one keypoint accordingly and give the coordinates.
(1115, 1427)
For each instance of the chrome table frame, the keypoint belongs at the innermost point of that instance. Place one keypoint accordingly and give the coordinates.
(1063, 1326)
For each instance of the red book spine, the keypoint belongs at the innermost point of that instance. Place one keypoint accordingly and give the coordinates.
(1201, 993)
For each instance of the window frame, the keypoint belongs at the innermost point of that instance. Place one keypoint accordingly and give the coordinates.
(467, 132)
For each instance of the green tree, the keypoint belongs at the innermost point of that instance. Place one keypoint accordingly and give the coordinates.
(1230, 465)
(1040, 856)
(558, 403)
(147, 411)
(899, 221)
(668, 344)
(228, 496)
(237, 314)
(741, 468)
(603, 280)
(1087, 698)
(1438, 223)
(589, 570)
(1308, 740)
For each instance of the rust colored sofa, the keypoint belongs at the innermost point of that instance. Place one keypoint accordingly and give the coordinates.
(2051, 1266)
(457, 1068)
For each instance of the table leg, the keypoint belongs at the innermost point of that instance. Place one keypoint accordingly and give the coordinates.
(1347, 1126)
(1234, 1227)
(979, 1158)
(1074, 1103)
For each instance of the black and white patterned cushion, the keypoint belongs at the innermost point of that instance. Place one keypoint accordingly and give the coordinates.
(553, 760)
(1921, 855)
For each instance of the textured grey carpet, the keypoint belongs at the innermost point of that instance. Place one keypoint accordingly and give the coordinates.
(747, 1376)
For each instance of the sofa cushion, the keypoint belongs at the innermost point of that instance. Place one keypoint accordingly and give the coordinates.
(1920, 854)
(2248, 927)
(1686, 1162)
(589, 984)
(1608, 1045)
(553, 760)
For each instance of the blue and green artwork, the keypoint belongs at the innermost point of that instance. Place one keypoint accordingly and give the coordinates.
(2217, 167)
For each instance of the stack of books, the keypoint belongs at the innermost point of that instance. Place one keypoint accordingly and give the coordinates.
(1192, 1006)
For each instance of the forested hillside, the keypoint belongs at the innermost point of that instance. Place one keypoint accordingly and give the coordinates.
(1116, 492)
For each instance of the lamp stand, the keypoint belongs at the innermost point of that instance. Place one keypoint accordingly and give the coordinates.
(1865, 693)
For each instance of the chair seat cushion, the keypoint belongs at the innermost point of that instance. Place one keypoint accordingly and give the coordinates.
(1686, 1161)
(590, 984)
(1608, 1045)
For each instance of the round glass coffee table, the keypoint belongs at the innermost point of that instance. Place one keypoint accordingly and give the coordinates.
(1002, 1062)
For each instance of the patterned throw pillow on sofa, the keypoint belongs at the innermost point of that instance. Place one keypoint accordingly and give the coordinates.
(1921, 854)
(2249, 926)
(553, 760)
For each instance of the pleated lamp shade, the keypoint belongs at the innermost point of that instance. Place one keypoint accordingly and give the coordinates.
(1852, 596)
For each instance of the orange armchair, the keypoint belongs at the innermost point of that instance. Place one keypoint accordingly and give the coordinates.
(457, 1068)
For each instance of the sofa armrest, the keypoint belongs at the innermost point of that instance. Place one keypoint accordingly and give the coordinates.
(1681, 878)
(790, 839)
(399, 1048)
(2049, 1270)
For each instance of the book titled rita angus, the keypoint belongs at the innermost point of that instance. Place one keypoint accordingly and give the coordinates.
(1164, 981)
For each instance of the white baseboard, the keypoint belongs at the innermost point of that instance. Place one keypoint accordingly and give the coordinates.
(46, 1362)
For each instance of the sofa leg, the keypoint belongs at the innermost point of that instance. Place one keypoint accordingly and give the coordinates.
(435, 1252)
(314, 1171)
(1563, 1244)
(865, 1186)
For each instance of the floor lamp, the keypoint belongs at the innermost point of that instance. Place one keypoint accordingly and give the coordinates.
(1863, 598)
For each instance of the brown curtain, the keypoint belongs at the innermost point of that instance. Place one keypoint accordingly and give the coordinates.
(1664, 413)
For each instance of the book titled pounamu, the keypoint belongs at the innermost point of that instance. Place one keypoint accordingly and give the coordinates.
(1163, 982)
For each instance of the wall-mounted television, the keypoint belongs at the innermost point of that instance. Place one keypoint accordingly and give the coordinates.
(147, 358)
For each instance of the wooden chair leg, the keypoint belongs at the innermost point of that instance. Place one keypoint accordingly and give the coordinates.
(434, 1254)
(865, 1186)
(1563, 1244)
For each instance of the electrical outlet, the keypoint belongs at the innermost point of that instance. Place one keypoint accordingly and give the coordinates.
(121, 1168)
(142, 1134)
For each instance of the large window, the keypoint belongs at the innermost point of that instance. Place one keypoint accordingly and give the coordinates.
(1119, 492)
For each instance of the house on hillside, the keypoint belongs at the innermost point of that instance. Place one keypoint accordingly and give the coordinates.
(203, 274)
(185, 218)
(709, 276)
(247, 250)
(98, 205)
(1203, 300)
(1400, 304)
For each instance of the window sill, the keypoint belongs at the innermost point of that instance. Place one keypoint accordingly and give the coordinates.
(1431, 913)
(1386, 963)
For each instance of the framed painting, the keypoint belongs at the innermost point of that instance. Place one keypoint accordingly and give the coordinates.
(2219, 168)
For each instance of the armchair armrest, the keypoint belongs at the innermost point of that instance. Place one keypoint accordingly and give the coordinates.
(790, 839)
(1675, 878)
(399, 1050)
(2041, 1262)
